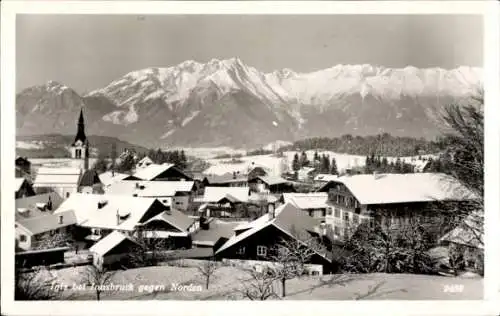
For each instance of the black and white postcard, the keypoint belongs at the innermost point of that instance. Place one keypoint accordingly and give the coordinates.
(183, 152)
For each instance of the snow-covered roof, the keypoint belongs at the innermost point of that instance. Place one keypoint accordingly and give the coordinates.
(57, 176)
(287, 218)
(402, 188)
(45, 223)
(59, 171)
(108, 178)
(150, 188)
(224, 168)
(18, 182)
(152, 171)
(174, 218)
(43, 180)
(325, 177)
(90, 215)
(146, 161)
(272, 180)
(305, 201)
(215, 194)
(109, 242)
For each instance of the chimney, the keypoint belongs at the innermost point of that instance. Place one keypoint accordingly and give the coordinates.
(49, 204)
(117, 217)
(60, 219)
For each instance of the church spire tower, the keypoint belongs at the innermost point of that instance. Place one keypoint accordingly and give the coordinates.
(80, 149)
(80, 134)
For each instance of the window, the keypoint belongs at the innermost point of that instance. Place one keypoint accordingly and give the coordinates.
(261, 251)
(241, 250)
(60, 219)
(164, 201)
(346, 216)
(355, 218)
(67, 194)
(346, 232)
(329, 211)
(337, 213)
(22, 238)
(336, 230)
(78, 153)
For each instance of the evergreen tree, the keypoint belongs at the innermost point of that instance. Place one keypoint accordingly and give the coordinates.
(101, 165)
(385, 165)
(316, 156)
(398, 166)
(127, 164)
(333, 167)
(296, 162)
(304, 161)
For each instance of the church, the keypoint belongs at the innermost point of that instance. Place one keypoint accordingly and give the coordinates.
(77, 178)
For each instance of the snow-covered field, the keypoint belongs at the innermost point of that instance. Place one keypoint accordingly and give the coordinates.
(30, 145)
(281, 164)
(227, 281)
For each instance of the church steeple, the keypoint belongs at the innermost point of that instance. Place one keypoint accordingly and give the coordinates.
(80, 134)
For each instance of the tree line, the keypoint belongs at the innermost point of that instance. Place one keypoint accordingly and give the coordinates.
(382, 144)
(322, 163)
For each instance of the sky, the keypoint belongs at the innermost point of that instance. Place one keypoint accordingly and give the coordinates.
(87, 52)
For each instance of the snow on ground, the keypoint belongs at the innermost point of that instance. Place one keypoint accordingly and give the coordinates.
(30, 144)
(227, 280)
(276, 164)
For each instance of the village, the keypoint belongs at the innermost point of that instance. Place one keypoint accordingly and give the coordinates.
(277, 226)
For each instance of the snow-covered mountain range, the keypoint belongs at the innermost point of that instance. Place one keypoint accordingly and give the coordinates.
(228, 103)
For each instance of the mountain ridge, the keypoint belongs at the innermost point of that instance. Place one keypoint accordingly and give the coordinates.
(185, 104)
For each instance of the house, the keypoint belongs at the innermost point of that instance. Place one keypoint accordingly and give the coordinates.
(222, 201)
(109, 177)
(468, 239)
(390, 199)
(23, 166)
(144, 162)
(37, 205)
(255, 170)
(213, 233)
(270, 184)
(257, 240)
(112, 249)
(23, 188)
(30, 232)
(226, 180)
(163, 172)
(64, 180)
(314, 204)
(305, 174)
(175, 194)
(102, 214)
(90, 183)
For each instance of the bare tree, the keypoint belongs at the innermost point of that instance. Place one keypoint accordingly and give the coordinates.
(260, 285)
(32, 286)
(291, 257)
(55, 240)
(207, 269)
(97, 278)
(150, 249)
